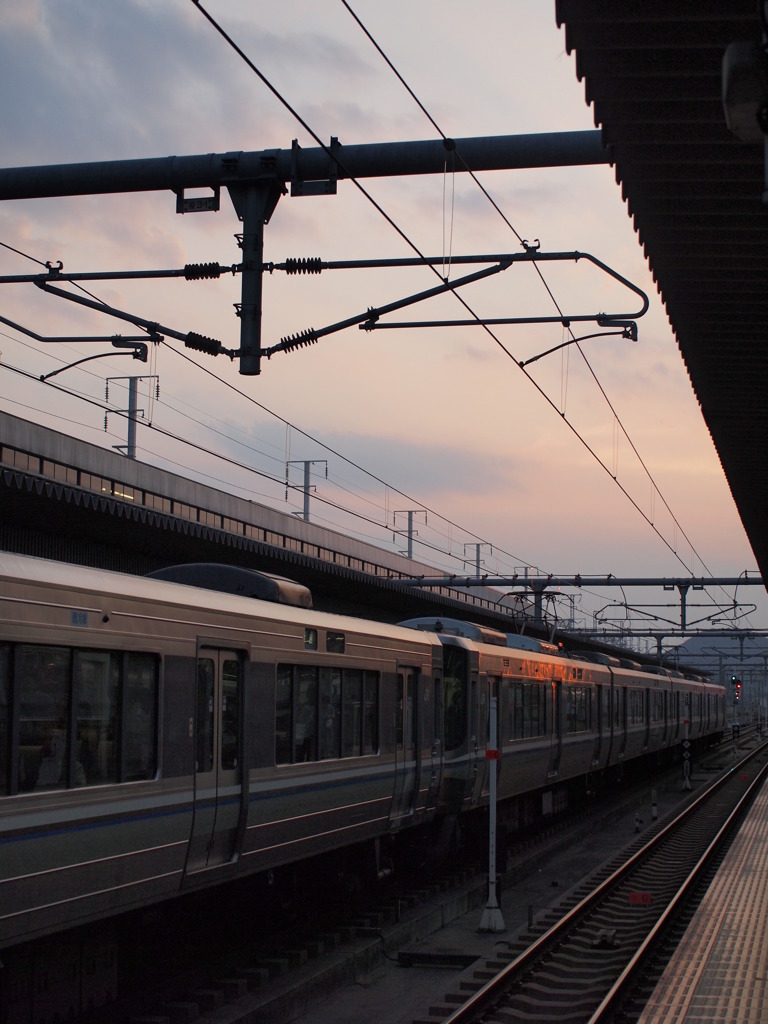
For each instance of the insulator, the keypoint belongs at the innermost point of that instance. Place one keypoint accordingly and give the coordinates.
(202, 344)
(313, 265)
(201, 271)
(307, 337)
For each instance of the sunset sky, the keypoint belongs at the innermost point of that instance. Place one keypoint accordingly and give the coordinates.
(441, 418)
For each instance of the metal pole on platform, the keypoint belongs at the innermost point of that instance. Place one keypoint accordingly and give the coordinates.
(492, 920)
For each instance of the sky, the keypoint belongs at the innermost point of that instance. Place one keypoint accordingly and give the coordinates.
(599, 467)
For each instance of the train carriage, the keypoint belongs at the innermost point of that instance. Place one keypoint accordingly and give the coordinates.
(158, 736)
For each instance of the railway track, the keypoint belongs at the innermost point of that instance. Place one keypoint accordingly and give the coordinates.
(586, 968)
(345, 944)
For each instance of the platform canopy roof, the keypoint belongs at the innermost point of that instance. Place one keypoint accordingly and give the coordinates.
(653, 73)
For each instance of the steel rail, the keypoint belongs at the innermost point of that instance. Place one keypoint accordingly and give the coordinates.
(608, 1006)
(469, 1011)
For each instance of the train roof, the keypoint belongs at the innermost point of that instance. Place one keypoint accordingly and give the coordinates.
(597, 658)
(480, 634)
(457, 627)
(27, 568)
(234, 579)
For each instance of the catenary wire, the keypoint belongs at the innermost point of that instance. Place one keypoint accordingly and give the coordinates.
(458, 155)
(185, 442)
(463, 302)
(442, 517)
(207, 451)
(516, 559)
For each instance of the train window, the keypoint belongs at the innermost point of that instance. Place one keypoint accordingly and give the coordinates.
(230, 714)
(657, 706)
(578, 711)
(527, 710)
(334, 642)
(535, 710)
(310, 639)
(352, 713)
(5, 717)
(204, 716)
(283, 714)
(76, 717)
(97, 700)
(635, 707)
(618, 708)
(325, 713)
(305, 733)
(140, 722)
(370, 712)
(330, 708)
(455, 691)
(43, 678)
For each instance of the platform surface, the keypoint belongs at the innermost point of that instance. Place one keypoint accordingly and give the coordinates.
(720, 969)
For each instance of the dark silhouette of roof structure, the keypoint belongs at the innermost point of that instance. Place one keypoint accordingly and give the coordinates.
(653, 73)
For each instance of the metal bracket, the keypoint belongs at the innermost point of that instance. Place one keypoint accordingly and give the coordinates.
(299, 187)
(198, 204)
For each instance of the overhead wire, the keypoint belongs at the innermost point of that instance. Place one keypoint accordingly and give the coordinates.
(350, 511)
(333, 156)
(333, 451)
(207, 451)
(617, 419)
(395, 226)
(235, 463)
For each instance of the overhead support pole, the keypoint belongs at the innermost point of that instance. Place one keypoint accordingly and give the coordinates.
(254, 204)
(257, 180)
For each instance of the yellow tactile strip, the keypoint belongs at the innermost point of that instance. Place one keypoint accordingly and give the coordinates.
(720, 970)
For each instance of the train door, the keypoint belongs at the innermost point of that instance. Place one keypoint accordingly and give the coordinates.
(598, 724)
(433, 705)
(556, 735)
(675, 697)
(647, 715)
(219, 804)
(407, 744)
(620, 718)
(608, 719)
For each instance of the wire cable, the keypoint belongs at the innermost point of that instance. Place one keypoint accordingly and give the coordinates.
(458, 155)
